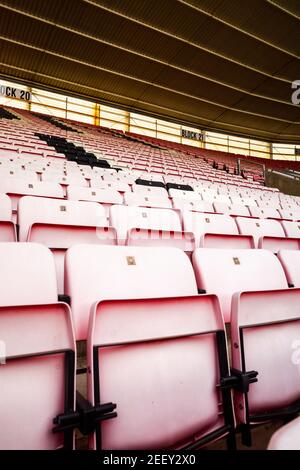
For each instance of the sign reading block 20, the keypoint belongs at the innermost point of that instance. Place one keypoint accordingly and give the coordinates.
(12, 92)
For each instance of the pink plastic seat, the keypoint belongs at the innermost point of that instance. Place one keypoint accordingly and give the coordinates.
(215, 231)
(188, 205)
(186, 195)
(262, 230)
(287, 437)
(60, 224)
(16, 188)
(154, 191)
(224, 272)
(7, 227)
(290, 261)
(265, 331)
(28, 175)
(151, 343)
(264, 212)
(147, 200)
(104, 196)
(150, 227)
(231, 209)
(291, 228)
(107, 185)
(37, 351)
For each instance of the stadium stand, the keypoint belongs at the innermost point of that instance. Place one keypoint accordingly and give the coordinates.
(149, 226)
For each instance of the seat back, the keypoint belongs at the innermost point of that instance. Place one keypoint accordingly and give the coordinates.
(189, 205)
(94, 273)
(16, 188)
(259, 228)
(103, 196)
(43, 211)
(291, 229)
(125, 218)
(224, 272)
(167, 364)
(265, 331)
(37, 371)
(5, 208)
(202, 224)
(148, 200)
(290, 261)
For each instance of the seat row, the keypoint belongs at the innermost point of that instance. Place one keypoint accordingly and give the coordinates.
(59, 224)
(157, 360)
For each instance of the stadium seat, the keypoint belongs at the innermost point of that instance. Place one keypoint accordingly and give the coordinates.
(291, 228)
(266, 233)
(150, 227)
(120, 186)
(224, 272)
(231, 209)
(287, 437)
(7, 227)
(150, 199)
(265, 331)
(290, 261)
(15, 188)
(152, 343)
(60, 224)
(264, 212)
(104, 196)
(189, 205)
(215, 231)
(37, 349)
(293, 213)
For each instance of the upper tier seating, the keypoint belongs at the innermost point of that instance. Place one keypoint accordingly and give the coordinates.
(38, 350)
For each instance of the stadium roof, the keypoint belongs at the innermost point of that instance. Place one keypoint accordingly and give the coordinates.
(219, 64)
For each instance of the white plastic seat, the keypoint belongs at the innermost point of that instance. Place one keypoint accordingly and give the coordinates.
(60, 224)
(224, 272)
(149, 227)
(37, 350)
(155, 191)
(291, 228)
(65, 180)
(187, 195)
(215, 231)
(28, 175)
(150, 342)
